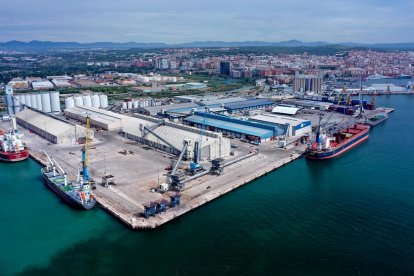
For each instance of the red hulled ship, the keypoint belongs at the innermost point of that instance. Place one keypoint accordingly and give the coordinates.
(12, 149)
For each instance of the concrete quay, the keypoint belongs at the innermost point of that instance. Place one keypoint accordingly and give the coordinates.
(138, 169)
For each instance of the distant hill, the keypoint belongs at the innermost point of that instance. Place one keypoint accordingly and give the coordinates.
(50, 45)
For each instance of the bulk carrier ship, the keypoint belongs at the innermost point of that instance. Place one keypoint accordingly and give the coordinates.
(12, 149)
(326, 147)
(78, 194)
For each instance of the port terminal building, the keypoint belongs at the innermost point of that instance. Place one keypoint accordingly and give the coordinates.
(248, 105)
(169, 137)
(164, 135)
(238, 128)
(51, 128)
(294, 126)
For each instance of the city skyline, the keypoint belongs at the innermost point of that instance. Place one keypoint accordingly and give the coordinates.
(176, 21)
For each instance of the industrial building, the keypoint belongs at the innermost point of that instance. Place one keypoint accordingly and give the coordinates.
(94, 100)
(106, 120)
(50, 128)
(46, 102)
(295, 127)
(248, 105)
(307, 83)
(170, 137)
(318, 105)
(234, 127)
(285, 109)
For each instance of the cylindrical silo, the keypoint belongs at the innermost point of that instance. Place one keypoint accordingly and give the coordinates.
(124, 105)
(136, 104)
(95, 101)
(22, 99)
(103, 99)
(78, 101)
(69, 102)
(39, 102)
(34, 100)
(28, 100)
(129, 104)
(46, 103)
(16, 104)
(54, 101)
(87, 101)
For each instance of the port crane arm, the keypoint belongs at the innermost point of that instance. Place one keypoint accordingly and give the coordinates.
(180, 157)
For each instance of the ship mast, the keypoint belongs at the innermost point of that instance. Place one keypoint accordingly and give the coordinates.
(85, 151)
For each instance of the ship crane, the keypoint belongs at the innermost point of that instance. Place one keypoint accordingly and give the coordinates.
(85, 151)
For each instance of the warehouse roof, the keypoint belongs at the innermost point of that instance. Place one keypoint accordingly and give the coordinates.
(288, 110)
(153, 110)
(233, 124)
(44, 122)
(278, 119)
(174, 136)
(248, 104)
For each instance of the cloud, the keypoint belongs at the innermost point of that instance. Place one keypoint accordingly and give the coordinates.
(175, 21)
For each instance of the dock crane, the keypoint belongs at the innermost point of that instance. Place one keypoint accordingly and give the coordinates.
(85, 151)
(195, 166)
(173, 179)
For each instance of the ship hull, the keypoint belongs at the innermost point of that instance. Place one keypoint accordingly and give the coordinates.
(14, 156)
(72, 202)
(328, 154)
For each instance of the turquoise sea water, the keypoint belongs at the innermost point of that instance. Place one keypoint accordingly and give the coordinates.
(347, 216)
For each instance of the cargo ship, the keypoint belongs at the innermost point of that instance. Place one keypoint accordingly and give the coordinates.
(327, 147)
(12, 149)
(77, 194)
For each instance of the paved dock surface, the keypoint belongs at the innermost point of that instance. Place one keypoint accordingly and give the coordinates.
(138, 169)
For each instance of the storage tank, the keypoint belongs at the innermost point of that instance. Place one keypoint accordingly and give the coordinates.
(28, 100)
(124, 105)
(103, 99)
(34, 100)
(16, 104)
(129, 105)
(136, 104)
(95, 101)
(78, 101)
(87, 101)
(69, 102)
(21, 99)
(46, 107)
(39, 102)
(54, 101)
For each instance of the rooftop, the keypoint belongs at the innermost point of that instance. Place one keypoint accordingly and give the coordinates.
(232, 124)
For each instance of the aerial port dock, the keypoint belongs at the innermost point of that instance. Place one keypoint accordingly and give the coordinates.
(138, 170)
(152, 163)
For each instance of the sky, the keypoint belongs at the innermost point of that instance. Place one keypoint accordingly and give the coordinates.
(179, 21)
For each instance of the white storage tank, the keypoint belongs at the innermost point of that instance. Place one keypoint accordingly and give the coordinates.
(34, 100)
(103, 99)
(78, 101)
(87, 101)
(21, 99)
(129, 105)
(136, 105)
(16, 104)
(46, 103)
(39, 102)
(28, 100)
(124, 105)
(55, 101)
(69, 102)
(95, 101)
